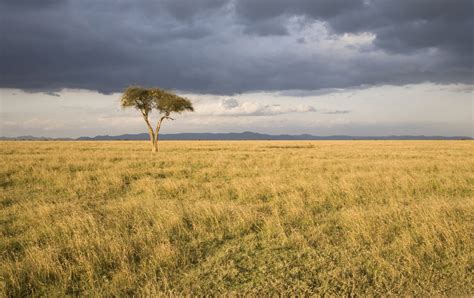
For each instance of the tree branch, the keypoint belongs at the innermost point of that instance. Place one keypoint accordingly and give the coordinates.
(158, 125)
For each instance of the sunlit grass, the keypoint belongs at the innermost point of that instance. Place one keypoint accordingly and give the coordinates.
(326, 217)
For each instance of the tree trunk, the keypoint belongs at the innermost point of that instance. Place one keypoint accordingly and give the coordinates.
(156, 141)
(154, 146)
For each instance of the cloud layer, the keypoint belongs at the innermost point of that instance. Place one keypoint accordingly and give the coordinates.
(428, 109)
(234, 46)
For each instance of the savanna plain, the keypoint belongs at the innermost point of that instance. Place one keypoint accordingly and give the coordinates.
(221, 217)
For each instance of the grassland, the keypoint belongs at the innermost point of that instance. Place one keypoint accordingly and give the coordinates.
(335, 217)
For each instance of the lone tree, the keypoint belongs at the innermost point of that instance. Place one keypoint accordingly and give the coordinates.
(145, 100)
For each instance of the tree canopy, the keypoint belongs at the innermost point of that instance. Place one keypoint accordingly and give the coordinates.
(145, 100)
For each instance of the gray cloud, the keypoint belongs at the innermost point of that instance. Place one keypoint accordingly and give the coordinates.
(262, 9)
(232, 107)
(336, 112)
(229, 103)
(233, 46)
(399, 25)
(409, 25)
(267, 27)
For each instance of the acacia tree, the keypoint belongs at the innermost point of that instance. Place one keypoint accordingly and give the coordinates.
(147, 99)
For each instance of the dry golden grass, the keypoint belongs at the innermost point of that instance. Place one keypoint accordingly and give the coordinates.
(335, 217)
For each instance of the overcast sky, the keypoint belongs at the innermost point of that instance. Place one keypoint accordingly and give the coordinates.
(356, 67)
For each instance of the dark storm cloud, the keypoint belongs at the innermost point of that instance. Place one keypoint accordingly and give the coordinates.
(230, 46)
(186, 9)
(267, 27)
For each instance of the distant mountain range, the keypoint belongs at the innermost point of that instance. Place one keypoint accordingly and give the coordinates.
(247, 135)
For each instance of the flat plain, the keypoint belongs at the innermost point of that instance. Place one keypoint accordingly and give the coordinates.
(254, 217)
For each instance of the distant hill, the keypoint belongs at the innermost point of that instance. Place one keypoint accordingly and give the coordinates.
(32, 138)
(247, 135)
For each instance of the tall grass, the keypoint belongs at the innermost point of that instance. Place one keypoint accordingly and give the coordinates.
(327, 218)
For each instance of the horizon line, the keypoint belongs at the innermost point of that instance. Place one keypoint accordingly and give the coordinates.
(262, 135)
